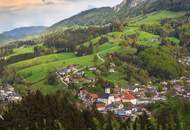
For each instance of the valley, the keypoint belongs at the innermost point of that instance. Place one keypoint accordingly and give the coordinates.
(124, 69)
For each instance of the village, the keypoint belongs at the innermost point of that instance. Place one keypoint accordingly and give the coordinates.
(8, 94)
(124, 102)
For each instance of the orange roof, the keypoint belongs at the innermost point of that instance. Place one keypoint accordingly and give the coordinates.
(100, 105)
(128, 96)
(92, 95)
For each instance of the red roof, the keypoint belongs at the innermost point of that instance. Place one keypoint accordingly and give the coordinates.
(100, 105)
(94, 96)
(128, 96)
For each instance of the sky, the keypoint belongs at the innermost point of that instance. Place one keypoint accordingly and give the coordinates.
(21, 13)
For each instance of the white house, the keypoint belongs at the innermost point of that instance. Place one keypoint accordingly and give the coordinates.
(107, 99)
(124, 112)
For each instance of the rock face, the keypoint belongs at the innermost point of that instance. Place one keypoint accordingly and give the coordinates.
(156, 4)
(128, 4)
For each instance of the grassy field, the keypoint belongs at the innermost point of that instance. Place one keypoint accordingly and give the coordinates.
(42, 60)
(36, 70)
(155, 17)
(19, 51)
(148, 39)
(46, 88)
(39, 72)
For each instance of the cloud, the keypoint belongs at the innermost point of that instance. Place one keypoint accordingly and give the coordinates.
(17, 13)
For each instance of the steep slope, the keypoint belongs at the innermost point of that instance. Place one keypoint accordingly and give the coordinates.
(19, 33)
(123, 11)
(97, 16)
(131, 8)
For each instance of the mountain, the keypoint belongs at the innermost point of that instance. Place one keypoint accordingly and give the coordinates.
(131, 8)
(20, 33)
(123, 11)
(96, 16)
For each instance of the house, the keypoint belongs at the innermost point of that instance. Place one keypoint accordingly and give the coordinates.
(127, 97)
(92, 69)
(92, 97)
(117, 97)
(87, 97)
(67, 70)
(115, 106)
(143, 101)
(124, 112)
(100, 106)
(80, 73)
(106, 98)
(111, 70)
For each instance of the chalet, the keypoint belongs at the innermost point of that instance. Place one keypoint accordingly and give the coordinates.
(127, 97)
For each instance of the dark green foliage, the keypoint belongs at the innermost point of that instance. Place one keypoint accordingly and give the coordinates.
(98, 16)
(20, 57)
(103, 40)
(17, 44)
(54, 111)
(134, 74)
(5, 51)
(164, 31)
(85, 50)
(169, 116)
(160, 62)
(184, 35)
(66, 41)
(167, 42)
(52, 78)
(151, 28)
(42, 50)
(2, 66)
(10, 76)
(62, 112)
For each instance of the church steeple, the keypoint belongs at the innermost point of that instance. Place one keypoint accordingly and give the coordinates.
(107, 89)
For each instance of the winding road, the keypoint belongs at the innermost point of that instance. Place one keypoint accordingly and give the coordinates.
(99, 57)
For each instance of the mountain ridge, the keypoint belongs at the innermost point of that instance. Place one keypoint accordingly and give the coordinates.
(123, 11)
(22, 32)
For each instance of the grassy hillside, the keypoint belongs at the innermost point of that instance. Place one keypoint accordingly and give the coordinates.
(36, 70)
(89, 17)
(155, 17)
(19, 51)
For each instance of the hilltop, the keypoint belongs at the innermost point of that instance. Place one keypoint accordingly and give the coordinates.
(122, 12)
(20, 33)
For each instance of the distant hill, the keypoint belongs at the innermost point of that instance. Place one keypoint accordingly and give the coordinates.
(20, 33)
(123, 11)
(96, 16)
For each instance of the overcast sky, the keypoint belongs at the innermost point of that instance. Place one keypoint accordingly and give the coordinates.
(18, 13)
